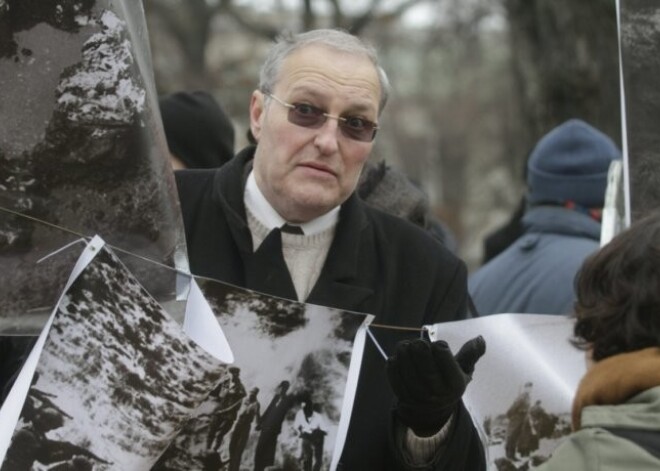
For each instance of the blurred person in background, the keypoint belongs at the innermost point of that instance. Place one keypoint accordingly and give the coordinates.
(499, 239)
(566, 182)
(199, 133)
(390, 190)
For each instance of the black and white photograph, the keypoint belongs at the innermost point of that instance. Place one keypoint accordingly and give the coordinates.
(341, 235)
(287, 398)
(523, 387)
(115, 381)
(640, 62)
(81, 149)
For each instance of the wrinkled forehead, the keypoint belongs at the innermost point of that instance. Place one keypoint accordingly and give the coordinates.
(322, 69)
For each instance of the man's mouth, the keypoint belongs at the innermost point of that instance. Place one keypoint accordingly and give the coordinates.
(319, 167)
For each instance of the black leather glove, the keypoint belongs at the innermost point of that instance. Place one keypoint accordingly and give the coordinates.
(429, 381)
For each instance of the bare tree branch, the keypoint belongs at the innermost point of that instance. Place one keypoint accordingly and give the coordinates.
(308, 15)
(265, 31)
(337, 14)
(181, 31)
(359, 23)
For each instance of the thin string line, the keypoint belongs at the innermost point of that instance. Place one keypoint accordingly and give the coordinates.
(396, 327)
(373, 339)
(391, 327)
(162, 265)
(41, 221)
(88, 238)
(61, 249)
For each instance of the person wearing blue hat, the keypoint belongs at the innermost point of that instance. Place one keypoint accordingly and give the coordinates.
(566, 182)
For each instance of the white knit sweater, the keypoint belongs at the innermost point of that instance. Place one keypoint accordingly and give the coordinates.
(304, 254)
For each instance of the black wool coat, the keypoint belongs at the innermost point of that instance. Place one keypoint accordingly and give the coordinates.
(377, 264)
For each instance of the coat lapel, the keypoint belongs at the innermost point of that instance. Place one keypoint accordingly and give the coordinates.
(339, 283)
(266, 270)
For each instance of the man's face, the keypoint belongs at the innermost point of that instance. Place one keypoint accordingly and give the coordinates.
(305, 172)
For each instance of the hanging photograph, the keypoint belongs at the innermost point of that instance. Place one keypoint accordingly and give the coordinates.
(115, 381)
(288, 398)
(523, 387)
(82, 150)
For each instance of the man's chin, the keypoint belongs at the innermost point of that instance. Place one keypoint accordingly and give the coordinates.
(308, 207)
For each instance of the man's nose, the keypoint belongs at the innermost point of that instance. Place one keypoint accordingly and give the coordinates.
(327, 136)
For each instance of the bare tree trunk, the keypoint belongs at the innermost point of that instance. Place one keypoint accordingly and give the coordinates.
(565, 60)
(640, 37)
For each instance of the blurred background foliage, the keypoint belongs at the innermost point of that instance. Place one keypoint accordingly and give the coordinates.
(476, 82)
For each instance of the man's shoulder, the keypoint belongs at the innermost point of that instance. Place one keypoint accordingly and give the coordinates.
(195, 188)
(194, 178)
(404, 235)
(213, 183)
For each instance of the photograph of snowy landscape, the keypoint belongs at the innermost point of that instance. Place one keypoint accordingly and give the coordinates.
(81, 149)
(120, 385)
(115, 381)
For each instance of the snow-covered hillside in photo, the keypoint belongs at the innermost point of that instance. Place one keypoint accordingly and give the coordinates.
(124, 372)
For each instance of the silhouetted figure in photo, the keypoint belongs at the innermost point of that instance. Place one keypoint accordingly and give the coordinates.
(198, 131)
(528, 441)
(270, 426)
(30, 445)
(312, 429)
(229, 394)
(248, 412)
(77, 463)
(544, 423)
(503, 464)
(518, 417)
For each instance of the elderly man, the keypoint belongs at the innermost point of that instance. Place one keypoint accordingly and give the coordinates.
(282, 218)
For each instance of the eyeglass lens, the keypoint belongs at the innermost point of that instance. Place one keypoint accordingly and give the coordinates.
(311, 117)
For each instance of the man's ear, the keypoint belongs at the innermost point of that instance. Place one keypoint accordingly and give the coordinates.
(256, 113)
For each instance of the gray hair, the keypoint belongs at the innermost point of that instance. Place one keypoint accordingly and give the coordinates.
(337, 39)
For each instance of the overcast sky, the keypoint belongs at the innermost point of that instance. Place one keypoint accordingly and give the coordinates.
(423, 14)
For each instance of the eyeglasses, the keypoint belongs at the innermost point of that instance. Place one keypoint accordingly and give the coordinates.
(308, 116)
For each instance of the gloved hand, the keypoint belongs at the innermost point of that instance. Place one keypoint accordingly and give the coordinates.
(429, 381)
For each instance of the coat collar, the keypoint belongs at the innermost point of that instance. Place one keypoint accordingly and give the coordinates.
(558, 220)
(229, 185)
(616, 379)
(338, 284)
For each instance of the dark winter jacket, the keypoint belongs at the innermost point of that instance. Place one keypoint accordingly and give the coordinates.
(377, 264)
(535, 274)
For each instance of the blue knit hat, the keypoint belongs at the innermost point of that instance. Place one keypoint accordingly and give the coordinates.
(570, 163)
